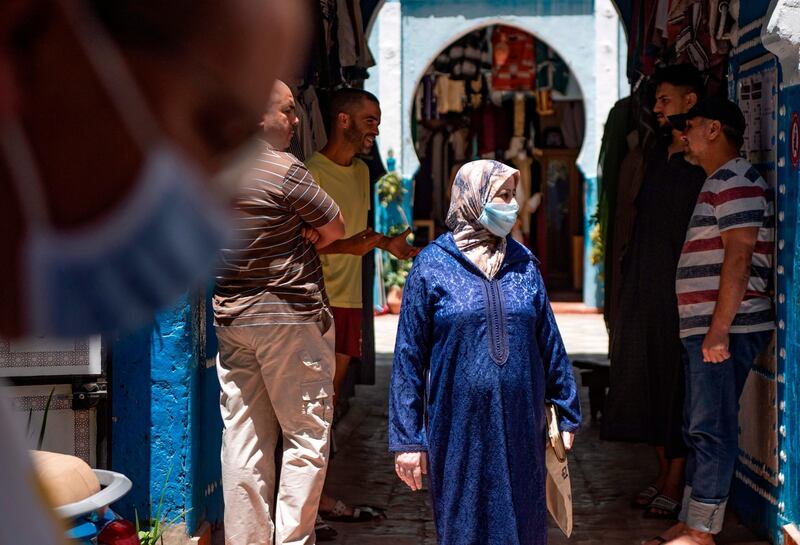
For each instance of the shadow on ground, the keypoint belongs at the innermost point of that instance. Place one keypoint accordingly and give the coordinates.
(604, 477)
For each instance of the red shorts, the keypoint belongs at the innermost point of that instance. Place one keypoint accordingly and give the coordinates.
(348, 330)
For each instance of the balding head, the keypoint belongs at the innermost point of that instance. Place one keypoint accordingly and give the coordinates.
(280, 93)
(280, 119)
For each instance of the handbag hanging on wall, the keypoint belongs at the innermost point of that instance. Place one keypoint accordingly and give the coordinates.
(557, 485)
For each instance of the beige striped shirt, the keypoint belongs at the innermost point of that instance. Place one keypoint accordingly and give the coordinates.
(274, 276)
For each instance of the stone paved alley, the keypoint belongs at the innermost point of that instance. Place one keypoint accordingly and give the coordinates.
(604, 475)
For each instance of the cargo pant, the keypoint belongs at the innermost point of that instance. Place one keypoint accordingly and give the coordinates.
(275, 379)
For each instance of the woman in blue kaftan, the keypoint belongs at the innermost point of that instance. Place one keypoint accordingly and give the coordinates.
(478, 352)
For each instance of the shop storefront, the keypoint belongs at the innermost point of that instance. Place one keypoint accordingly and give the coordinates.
(748, 51)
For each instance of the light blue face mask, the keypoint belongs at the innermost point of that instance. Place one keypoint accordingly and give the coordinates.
(112, 275)
(499, 218)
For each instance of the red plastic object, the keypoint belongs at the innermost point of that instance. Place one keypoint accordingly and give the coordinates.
(118, 532)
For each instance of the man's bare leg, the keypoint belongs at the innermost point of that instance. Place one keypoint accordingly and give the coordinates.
(342, 364)
(661, 478)
(327, 502)
(673, 483)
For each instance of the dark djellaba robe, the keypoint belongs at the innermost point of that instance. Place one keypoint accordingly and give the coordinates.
(475, 360)
(645, 400)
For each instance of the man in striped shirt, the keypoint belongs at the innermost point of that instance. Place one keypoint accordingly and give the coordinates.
(723, 284)
(276, 344)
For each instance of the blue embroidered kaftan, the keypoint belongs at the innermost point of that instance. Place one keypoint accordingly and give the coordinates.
(475, 360)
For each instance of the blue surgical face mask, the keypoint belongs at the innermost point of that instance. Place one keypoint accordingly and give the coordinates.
(113, 274)
(499, 218)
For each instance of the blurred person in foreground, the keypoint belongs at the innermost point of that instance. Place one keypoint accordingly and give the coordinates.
(726, 318)
(276, 343)
(355, 118)
(113, 117)
(478, 353)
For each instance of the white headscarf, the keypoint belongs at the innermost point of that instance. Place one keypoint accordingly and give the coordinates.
(475, 185)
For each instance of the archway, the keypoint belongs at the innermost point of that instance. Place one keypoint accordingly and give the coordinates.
(498, 92)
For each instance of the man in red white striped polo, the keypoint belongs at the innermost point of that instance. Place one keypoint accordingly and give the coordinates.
(726, 319)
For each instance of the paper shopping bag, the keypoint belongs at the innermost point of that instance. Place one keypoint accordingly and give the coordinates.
(557, 485)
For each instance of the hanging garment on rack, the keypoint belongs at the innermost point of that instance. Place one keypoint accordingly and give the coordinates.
(477, 91)
(572, 122)
(317, 135)
(459, 142)
(519, 114)
(302, 134)
(491, 125)
(320, 70)
(440, 171)
(353, 47)
(515, 60)
(430, 106)
(662, 17)
(450, 95)
(523, 164)
(551, 70)
(690, 23)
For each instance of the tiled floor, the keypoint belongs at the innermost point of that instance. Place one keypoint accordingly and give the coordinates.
(604, 475)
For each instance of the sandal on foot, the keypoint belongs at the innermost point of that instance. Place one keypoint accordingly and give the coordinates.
(657, 539)
(645, 497)
(361, 513)
(324, 531)
(669, 507)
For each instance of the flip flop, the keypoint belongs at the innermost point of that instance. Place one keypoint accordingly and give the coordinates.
(644, 498)
(664, 503)
(324, 531)
(361, 513)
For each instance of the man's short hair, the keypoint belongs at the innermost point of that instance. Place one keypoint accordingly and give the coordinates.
(681, 75)
(348, 100)
(735, 136)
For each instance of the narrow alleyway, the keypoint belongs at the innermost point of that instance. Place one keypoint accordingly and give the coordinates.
(604, 475)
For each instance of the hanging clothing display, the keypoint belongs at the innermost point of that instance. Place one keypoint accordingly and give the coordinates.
(496, 114)
(450, 95)
(353, 48)
(573, 122)
(551, 70)
(514, 60)
(310, 133)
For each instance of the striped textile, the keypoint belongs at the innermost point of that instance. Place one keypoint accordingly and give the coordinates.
(734, 196)
(275, 276)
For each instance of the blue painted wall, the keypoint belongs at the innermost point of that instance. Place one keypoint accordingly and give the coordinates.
(789, 311)
(766, 510)
(762, 505)
(166, 426)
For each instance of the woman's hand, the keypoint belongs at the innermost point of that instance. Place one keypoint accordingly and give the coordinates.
(410, 467)
(568, 438)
